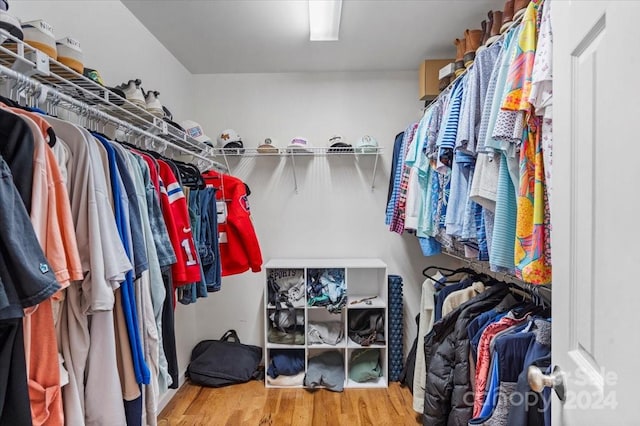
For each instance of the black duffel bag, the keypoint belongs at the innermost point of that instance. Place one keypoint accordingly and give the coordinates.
(216, 363)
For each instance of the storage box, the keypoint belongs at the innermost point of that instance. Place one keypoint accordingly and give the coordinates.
(429, 77)
(446, 71)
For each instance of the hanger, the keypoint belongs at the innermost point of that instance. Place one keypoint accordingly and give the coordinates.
(440, 269)
(190, 175)
(540, 303)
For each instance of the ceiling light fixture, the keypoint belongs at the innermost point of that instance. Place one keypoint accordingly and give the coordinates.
(324, 19)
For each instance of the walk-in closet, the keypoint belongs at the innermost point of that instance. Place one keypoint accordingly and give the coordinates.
(318, 212)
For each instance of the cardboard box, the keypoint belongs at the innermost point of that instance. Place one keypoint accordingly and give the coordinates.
(428, 77)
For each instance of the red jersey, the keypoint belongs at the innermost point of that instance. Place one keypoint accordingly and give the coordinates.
(176, 215)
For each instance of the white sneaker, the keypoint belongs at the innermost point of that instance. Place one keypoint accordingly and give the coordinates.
(133, 92)
(39, 34)
(153, 104)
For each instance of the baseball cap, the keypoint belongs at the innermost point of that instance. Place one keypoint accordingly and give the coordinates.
(367, 144)
(70, 53)
(195, 130)
(337, 144)
(267, 147)
(230, 139)
(299, 143)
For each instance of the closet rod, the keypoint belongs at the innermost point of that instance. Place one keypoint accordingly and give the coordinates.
(44, 92)
(483, 267)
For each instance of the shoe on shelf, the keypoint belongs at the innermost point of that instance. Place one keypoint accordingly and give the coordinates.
(133, 92)
(167, 113)
(473, 41)
(460, 49)
(153, 104)
(115, 95)
(507, 16)
(70, 53)
(520, 6)
(486, 28)
(8, 22)
(494, 31)
(39, 34)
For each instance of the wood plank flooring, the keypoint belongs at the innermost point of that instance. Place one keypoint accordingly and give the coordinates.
(252, 404)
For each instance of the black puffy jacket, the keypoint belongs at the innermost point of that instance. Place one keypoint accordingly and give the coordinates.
(448, 394)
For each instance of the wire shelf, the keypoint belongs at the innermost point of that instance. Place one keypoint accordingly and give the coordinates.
(18, 56)
(281, 152)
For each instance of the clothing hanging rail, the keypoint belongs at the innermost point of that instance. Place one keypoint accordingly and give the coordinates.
(483, 267)
(446, 90)
(42, 79)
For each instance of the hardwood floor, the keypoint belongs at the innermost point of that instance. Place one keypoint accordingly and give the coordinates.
(252, 404)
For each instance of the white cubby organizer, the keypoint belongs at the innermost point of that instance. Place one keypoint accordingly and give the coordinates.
(364, 278)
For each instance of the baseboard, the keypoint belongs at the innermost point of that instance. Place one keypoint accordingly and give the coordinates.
(170, 393)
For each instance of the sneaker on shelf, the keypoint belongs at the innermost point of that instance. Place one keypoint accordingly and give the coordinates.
(153, 104)
(133, 92)
(116, 95)
(168, 117)
(39, 34)
(70, 53)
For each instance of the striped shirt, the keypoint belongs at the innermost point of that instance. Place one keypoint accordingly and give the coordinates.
(397, 220)
(397, 176)
(447, 137)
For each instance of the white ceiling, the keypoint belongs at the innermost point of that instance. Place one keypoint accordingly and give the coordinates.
(244, 36)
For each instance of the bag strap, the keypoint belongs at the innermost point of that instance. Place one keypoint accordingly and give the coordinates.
(258, 374)
(230, 333)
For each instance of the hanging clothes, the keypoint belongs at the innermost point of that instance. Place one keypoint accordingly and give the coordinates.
(88, 329)
(239, 246)
(464, 170)
(27, 280)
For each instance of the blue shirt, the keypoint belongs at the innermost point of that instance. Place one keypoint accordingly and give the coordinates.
(139, 249)
(143, 375)
(394, 164)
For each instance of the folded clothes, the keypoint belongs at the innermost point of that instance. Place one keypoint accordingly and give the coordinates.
(365, 365)
(282, 380)
(292, 336)
(285, 362)
(287, 318)
(330, 332)
(326, 370)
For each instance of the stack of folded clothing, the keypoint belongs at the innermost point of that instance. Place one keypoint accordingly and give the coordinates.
(326, 370)
(286, 367)
(328, 333)
(286, 326)
(364, 365)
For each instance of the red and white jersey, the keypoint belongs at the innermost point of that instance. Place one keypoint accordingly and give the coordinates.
(176, 215)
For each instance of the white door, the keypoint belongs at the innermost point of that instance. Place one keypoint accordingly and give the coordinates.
(596, 211)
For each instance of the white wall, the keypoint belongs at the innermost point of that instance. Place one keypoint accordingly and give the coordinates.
(334, 213)
(116, 44)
